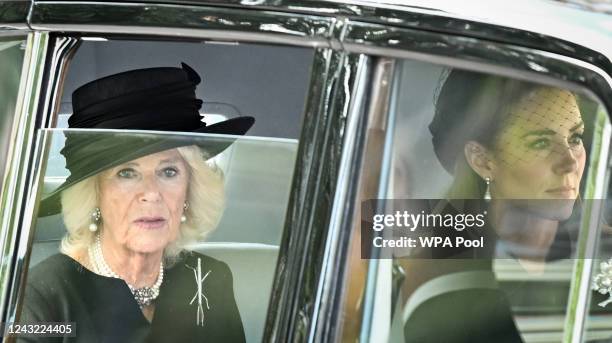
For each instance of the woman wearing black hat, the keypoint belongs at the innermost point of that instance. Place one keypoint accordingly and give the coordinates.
(515, 151)
(130, 205)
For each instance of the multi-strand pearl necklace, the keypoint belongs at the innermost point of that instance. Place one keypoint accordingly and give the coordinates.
(144, 296)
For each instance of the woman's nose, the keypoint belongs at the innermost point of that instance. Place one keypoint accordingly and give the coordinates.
(567, 159)
(150, 190)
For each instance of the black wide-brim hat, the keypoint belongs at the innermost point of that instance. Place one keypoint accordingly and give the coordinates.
(152, 99)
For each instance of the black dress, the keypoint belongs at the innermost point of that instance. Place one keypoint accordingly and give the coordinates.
(60, 289)
(472, 313)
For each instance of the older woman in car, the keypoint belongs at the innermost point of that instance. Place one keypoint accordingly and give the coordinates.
(131, 204)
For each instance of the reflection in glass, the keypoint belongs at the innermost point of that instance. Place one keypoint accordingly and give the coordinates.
(11, 60)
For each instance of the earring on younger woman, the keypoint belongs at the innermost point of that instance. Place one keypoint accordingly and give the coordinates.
(487, 195)
(185, 207)
(95, 218)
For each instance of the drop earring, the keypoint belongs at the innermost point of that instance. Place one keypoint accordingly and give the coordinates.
(487, 194)
(95, 218)
(185, 207)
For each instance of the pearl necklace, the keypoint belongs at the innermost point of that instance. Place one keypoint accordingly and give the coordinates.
(144, 296)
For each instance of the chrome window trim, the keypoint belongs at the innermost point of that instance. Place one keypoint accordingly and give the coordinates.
(13, 29)
(481, 55)
(308, 214)
(183, 22)
(61, 51)
(8, 32)
(328, 298)
(165, 32)
(379, 268)
(588, 237)
(15, 209)
(377, 113)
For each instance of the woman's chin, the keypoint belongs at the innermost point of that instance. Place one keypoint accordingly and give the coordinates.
(148, 246)
(553, 209)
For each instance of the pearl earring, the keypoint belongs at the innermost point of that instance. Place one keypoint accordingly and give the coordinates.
(95, 218)
(487, 195)
(185, 207)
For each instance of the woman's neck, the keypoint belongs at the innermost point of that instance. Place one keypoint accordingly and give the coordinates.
(531, 234)
(137, 269)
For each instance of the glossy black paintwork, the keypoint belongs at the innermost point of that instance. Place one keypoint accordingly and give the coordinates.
(406, 16)
(14, 11)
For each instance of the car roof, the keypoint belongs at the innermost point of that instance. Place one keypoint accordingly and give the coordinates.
(529, 23)
(553, 18)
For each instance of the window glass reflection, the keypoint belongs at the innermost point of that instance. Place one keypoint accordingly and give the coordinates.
(11, 61)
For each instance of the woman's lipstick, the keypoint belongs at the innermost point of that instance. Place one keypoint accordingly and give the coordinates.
(565, 192)
(150, 222)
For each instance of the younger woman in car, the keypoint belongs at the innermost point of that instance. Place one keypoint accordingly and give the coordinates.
(516, 153)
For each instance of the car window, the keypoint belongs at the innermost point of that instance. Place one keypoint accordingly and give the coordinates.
(11, 61)
(268, 83)
(474, 226)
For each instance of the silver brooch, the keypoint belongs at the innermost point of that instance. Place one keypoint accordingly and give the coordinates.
(602, 282)
(199, 279)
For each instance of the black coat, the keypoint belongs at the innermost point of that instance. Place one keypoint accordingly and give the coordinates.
(60, 289)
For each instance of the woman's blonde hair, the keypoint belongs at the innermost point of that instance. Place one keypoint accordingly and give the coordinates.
(205, 195)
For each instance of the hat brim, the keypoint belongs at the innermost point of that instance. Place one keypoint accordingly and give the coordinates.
(132, 146)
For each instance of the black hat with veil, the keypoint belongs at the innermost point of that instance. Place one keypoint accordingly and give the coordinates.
(152, 99)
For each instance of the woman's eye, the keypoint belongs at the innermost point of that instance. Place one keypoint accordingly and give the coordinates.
(540, 144)
(127, 173)
(170, 172)
(576, 139)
